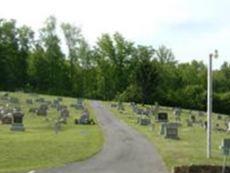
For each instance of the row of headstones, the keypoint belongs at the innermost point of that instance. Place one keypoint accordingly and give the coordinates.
(9, 99)
(194, 120)
(168, 129)
(177, 112)
(12, 116)
(43, 109)
(119, 106)
(153, 110)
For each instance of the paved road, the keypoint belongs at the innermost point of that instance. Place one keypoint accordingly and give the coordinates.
(125, 151)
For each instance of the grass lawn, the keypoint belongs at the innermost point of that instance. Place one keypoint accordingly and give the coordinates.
(190, 149)
(39, 146)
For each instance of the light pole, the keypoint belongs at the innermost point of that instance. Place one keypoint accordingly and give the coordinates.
(209, 103)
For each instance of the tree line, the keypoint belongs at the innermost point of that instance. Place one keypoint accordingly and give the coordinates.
(114, 69)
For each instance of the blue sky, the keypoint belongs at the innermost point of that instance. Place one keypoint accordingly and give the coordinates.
(191, 28)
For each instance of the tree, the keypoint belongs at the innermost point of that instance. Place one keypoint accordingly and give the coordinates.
(14, 50)
(146, 74)
(55, 58)
(165, 55)
(73, 38)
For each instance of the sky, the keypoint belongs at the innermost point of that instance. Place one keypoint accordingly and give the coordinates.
(191, 28)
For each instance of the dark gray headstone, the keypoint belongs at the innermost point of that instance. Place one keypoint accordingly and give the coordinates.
(17, 124)
(171, 131)
(162, 117)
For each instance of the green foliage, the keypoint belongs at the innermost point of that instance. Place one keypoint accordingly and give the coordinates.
(115, 68)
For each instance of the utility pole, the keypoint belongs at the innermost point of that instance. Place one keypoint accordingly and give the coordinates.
(209, 104)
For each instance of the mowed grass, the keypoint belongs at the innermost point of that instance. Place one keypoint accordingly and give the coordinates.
(190, 149)
(39, 146)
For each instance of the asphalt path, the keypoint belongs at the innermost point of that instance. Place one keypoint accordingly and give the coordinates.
(124, 151)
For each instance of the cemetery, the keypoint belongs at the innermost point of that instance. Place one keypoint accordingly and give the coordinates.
(180, 136)
(32, 129)
(114, 86)
(57, 123)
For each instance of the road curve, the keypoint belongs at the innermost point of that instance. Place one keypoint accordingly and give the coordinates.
(124, 151)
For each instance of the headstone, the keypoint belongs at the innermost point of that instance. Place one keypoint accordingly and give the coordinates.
(59, 99)
(84, 119)
(139, 111)
(132, 104)
(163, 128)
(113, 105)
(29, 101)
(1, 112)
(42, 110)
(201, 113)
(61, 107)
(147, 112)
(64, 115)
(57, 126)
(5, 94)
(33, 110)
(193, 118)
(78, 105)
(225, 147)
(16, 109)
(200, 122)
(189, 123)
(120, 106)
(219, 117)
(162, 117)
(229, 126)
(144, 121)
(47, 102)
(14, 100)
(171, 131)
(41, 100)
(17, 124)
(156, 108)
(177, 113)
(205, 125)
(152, 127)
(55, 103)
(217, 127)
(7, 118)
(174, 124)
